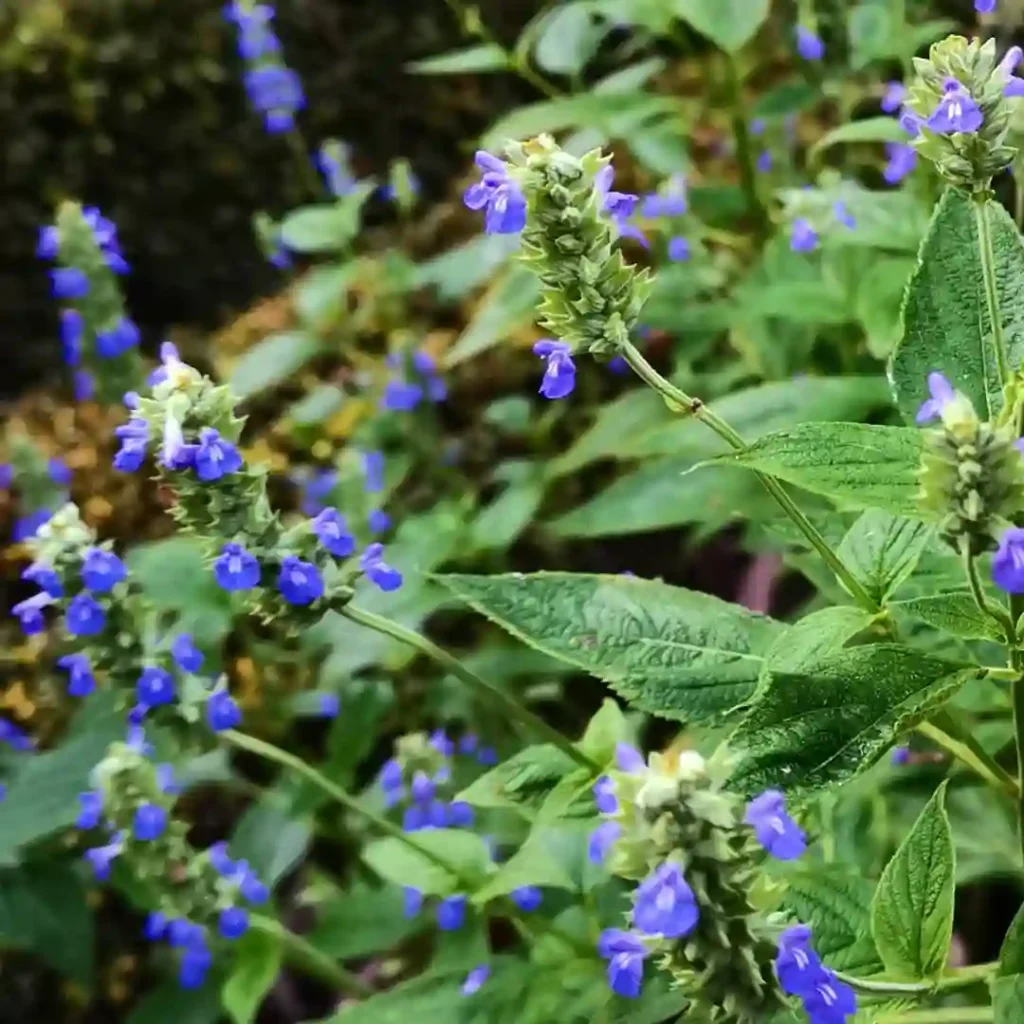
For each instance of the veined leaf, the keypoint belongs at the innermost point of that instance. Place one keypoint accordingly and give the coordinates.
(729, 24)
(255, 967)
(398, 862)
(483, 57)
(882, 550)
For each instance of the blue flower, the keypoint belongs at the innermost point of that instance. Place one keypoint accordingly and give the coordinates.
(625, 953)
(331, 530)
(233, 922)
(215, 456)
(940, 394)
(460, 814)
(175, 453)
(1008, 561)
(831, 1001)
(85, 616)
(377, 571)
(602, 839)
(58, 471)
(68, 283)
(559, 371)
(664, 904)
(475, 979)
(391, 779)
(6, 475)
(72, 329)
(796, 964)
(329, 705)
(331, 165)
(985, 6)
(300, 582)
(414, 818)
(102, 570)
(27, 527)
(400, 396)
(317, 488)
(902, 160)
(619, 205)
(808, 45)
(422, 788)
(252, 889)
(235, 569)
(628, 759)
(764, 161)
(276, 92)
(442, 743)
(149, 822)
(378, 521)
(893, 97)
(670, 203)
(501, 196)
(604, 795)
(527, 897)
(182, 933)
(30, 613)
(101, 857)
(678, 249)
(487, 756)
(81, 682)
(45, 578)
(155, 686)
(186, 655)
(195, 962)
(83, 385)
(412, 901)
(256, 39)
(124, 335)
(900, 755)
(776, 831)
(956, 111)
(134, 436)
(14, 737)
(217, 855)
(842, 214)
(451, 913)
(48, 246)
(802, 237)
(165, 779)
(90, 810)
(373, 471)
(222, 712)
(155, 926)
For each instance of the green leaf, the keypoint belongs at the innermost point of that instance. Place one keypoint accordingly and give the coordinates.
(170, 1002)
(483, 57)
(326, 227)
(672, 652)
(822, 725)
(272, 841)
(836, 903)
(882, 550)
(272, 361)
(604, 732)
(814, 636)
(363, 921)
(321, 295)
(509, 304)
(1011, 954)
(396, 861)
(524, 779)
(729, 24)
(946, 326)
(455, 272)
(498, 524)
(1008, 999)
(256, 963)
(434, 996)
(871, 129)
(569, 38)
(954, 613)
(912, 910)
(322, 402)
(857, 465)
(536, 862)
(43, 909)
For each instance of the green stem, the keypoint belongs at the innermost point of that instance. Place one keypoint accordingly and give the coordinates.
(744, 149)
(945, 1015)
(682, 402)
(1017, 704)
(512, 707)
(945, 732)
(311, 959)
(962, 978)
(970, 566)
(988, 273)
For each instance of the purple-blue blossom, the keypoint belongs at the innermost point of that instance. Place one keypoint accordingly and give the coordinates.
(14, 737)
(299, 582)
(155, 686)
(222, 712)
(940, 394)
(72, 329)
(102, 570)
(796, 964)
(102, 857)
(186, 655)
(808, 44)
(893, 97)
(45, 578)
(451, 913)
(68, 283)
(802, 237)
(81, 681)
(133, 436)
(498, 195)
(601, 840)
(625, 953)
(604, 795)
(233, 923)
(775, 829)
(678, 249)
(377, 571)
(215, 456)
(1008, 561)
(475, 979)
(85, 616)
(90, 810)
(900, 756)
(956, 111)
(559, 369)
(902, 159)
(527, 898)
(236, 569)
(149, 822)
(30, 613)
(985, 6)
(116, 340)
(664, 904)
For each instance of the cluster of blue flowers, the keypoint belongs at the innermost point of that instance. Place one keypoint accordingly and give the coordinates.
(411, 384)
(274, 90)
(825, 998)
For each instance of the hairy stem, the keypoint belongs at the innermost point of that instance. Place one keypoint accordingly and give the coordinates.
(962, 978)
(1017, 704)
(682, 402)
(970, 566)
(945, 732)
(491, 692)
(988, 273)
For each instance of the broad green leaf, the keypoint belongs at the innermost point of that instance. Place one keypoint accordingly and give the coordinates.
(170, 1002)
(508, 305)
(946, 325)
(954, 613)
(815, 635)
(523, 780)
(483, 57)
(321, 295)
(1008, 999)
(912, 910)
(668, 651)
(605, 731)
(498, 524)
(871, 129)
(43, 795)
(729, 24)
(536, 862)
(457, 271)
(434, 996)
(836, 903)
(811, 302)
(662, 494)
(857, 465)
(43, 909)
(254, 968)
(1011, 953)
(882, 550)
(363, 921)
(568, 38)
(272, 361)
(271, 840)
(822, 725)
(878, 302)
(326, 227)
(398, 862)
(322, 402)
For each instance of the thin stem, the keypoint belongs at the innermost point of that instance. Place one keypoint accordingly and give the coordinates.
(1017, 704)
(683, 403)
(470, 678)
(988, 273)
(308, 957)
(946, 733)
(963, 978)
(744, 150)
(970, 566)
(945, 1015)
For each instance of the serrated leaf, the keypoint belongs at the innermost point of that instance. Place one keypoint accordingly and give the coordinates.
(363, 921)
(857, 465)
(882, 550)
(483, 57)
(729, 24)
(668, 651)
(912, 910)
(822, 725)
(524, 779)
(1008, 999)
(807, 641)
(256, 963)
(604, 732)
(399, 862)
(272, 361)
(954, 613)
(870, 129)
(946, 325)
